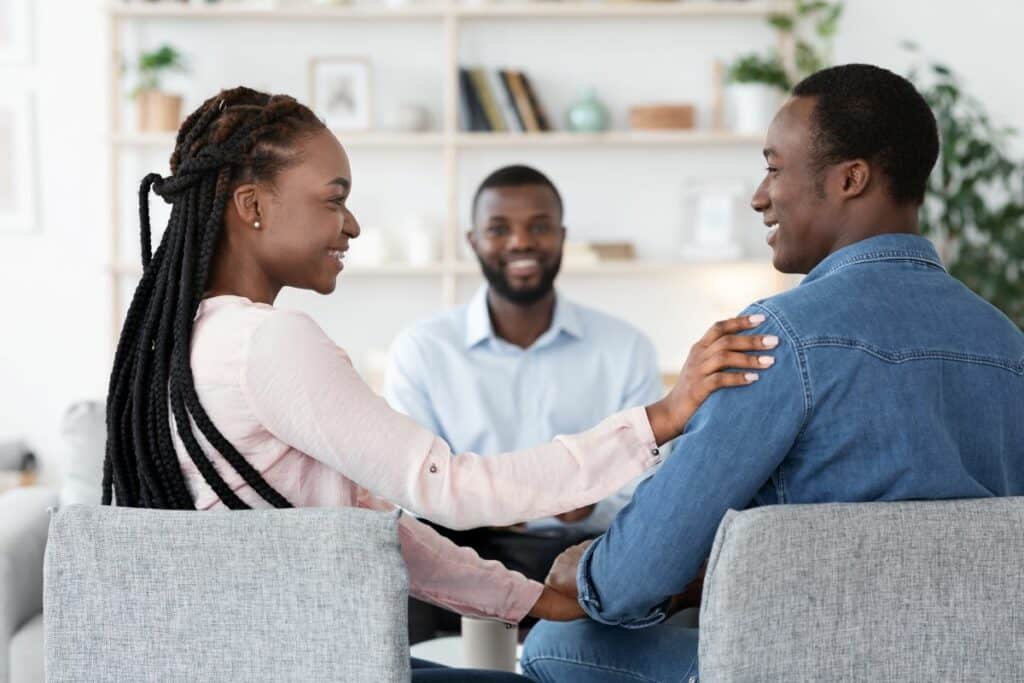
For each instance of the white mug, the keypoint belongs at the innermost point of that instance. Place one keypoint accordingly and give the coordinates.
(489, 644)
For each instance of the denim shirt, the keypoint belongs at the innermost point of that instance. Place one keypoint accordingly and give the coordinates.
(892, 381)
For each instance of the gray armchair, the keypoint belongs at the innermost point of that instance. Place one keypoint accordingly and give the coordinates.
(922, 591)
(22, 542)
(265, 595)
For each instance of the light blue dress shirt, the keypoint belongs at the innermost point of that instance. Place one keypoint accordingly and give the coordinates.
(457, 378)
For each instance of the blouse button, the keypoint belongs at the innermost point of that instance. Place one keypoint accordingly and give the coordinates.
(433, 469)
(655, 451)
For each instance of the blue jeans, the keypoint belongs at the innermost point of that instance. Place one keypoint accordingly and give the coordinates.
(428, 672)
(585, 650)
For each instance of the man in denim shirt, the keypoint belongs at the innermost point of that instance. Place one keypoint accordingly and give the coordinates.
(892, 381)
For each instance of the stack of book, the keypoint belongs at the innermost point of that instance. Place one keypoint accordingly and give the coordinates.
(500, 101)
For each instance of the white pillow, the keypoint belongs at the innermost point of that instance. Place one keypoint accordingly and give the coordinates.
(85, 436)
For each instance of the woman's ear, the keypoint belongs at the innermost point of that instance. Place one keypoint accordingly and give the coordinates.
(245, 203)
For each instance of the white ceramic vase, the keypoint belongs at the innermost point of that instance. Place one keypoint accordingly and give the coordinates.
(752, 106)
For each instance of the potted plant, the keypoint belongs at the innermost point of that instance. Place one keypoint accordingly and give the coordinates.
(158, 110)
(974, 203)
(754, 87)
(756, 83)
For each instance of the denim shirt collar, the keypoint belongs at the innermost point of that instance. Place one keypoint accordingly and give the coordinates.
(478, 321)
(888, 247)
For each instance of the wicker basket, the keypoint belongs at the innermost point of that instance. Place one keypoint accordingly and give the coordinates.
(663, 117)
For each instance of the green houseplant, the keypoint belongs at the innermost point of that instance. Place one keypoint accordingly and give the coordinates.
(755, 68)
(974, 204)
(756, 82)
(158, 110)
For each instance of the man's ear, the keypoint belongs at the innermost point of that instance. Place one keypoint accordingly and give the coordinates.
(854, 178)
(471, 238)
(245, 202)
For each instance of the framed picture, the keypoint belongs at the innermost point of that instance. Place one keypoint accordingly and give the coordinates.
(14, 31)
(17, 170)
(713, 209)
(340, 92)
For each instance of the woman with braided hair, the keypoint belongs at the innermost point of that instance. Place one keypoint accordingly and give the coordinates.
(219, 399)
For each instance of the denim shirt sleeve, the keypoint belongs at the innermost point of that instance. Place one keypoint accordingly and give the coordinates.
(730, 448)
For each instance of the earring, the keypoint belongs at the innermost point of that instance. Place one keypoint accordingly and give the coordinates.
(256, 225)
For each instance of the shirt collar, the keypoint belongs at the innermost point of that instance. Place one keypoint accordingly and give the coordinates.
(479, 328)
(888, 247)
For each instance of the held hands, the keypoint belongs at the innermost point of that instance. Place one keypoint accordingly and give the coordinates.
(559, 600)
(707, 369)
(555, 606)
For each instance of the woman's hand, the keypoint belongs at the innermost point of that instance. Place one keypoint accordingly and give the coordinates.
(707, 369)
(555, 606)
(558, 601)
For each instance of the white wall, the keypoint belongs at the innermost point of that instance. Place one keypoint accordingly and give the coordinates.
(979, 40)
(53, 293)
(54, 347)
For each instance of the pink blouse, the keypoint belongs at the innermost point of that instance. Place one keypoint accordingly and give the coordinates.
(291, 402)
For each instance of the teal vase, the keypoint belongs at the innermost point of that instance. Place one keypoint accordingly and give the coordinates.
(588, 114)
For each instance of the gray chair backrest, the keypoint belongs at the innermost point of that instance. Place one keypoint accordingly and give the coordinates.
(918, 591)
(263, 595)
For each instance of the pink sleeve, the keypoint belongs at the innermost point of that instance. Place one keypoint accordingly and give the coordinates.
(304, 390)
(456, 578)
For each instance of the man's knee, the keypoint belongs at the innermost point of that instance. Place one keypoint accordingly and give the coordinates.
(555, 648)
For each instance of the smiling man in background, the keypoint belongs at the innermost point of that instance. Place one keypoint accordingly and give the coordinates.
(517, 366)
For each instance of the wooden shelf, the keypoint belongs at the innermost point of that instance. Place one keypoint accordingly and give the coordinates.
(622, 9)
(637, 267)
(609, 139)
(450, 19)
(465, 268)
(527, 9)
(137, 10)
(477, 140)
(352, 139)
(387, 270)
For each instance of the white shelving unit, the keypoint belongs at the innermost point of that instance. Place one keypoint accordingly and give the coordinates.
(451, 16)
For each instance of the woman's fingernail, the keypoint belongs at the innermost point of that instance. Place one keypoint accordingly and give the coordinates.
(770, 341)
(766, 360)
(751, 376)
(756, 319)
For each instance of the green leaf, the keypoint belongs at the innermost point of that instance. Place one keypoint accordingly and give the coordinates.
(755, 68)
(975, 195)
(782, 22)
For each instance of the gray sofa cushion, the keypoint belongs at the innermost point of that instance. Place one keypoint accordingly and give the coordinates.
(296, 595)
(924, 591)
(27, 652)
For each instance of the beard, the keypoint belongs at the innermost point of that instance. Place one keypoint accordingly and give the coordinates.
(499, 283)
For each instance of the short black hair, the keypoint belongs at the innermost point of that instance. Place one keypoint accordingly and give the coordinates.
(866, 112)
(516, 176)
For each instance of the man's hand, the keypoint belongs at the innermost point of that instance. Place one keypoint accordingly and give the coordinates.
(575, 515)
(555, 606)
(562, 576)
